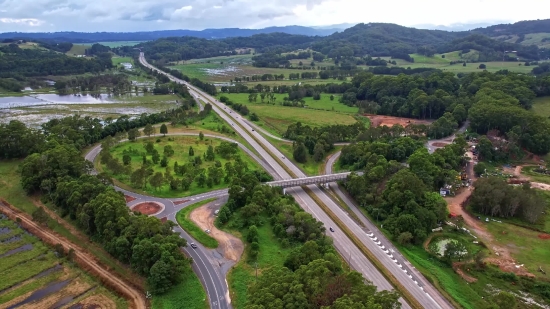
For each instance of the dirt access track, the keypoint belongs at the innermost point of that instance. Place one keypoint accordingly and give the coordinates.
(231, 247)
(84, 260)
(389, 121)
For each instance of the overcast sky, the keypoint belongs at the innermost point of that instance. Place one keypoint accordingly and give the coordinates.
(147, 15)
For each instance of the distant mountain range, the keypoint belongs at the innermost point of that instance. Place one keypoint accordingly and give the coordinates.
(89, 37)
(456, 27)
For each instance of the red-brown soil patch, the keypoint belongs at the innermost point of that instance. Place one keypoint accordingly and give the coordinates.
(379, 120)
(163, 219)
(438, 144)
(544, 236)
(180, 202)
(147, 208)
(457, 268)
(129, 198)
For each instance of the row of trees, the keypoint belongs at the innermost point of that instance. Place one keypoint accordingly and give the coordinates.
(312, 276)
(119, 83)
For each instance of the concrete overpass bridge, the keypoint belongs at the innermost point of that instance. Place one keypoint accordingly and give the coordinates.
(297, 182)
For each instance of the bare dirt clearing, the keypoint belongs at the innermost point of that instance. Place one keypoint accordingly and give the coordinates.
(379, 120)
(147, 208)
(231, 247)
(129, 198)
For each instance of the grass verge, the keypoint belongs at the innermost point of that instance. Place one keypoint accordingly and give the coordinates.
(189, 294)
(185, 222)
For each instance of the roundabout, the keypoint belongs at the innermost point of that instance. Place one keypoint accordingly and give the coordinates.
(149, 208)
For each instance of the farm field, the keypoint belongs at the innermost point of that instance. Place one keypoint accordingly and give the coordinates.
(541, 106)
(470, 67)
(180, 145)
(222, 71)
(276, 118)
(33, 275)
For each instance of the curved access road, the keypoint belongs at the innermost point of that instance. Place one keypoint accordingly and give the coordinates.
(341, 242)
(209, 268)
(384, 241)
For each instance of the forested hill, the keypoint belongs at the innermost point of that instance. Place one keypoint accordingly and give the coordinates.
(378, 39)
(88, 37)
(519, 28)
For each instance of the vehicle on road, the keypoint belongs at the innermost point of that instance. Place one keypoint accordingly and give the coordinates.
(331, 229)
(217, 212)
(207, 231)
(283, 157)
(193, 245)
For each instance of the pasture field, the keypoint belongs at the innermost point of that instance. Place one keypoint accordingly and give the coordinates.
(536, 39)
(28, 266)
(541, 106)
(180, 145)
(287, 82)
(276, 118)
(26, 45)
(78, 49)
(537, 177)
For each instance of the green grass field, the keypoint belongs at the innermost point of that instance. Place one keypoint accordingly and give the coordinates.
(78, 49)
(120, 43)
(276, 118)
(271, 254)
(118, 60)
(538, 177)
(181, 146)
(183, 220)
(541, 106)
(189, 294)
(216, 71)
(536, 39)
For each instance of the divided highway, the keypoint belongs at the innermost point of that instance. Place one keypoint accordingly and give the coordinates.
(427, 298)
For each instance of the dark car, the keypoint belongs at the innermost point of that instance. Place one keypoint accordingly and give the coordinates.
(193, 245)
(331, 229)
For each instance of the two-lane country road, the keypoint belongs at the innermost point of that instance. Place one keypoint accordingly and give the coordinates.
(342, 243)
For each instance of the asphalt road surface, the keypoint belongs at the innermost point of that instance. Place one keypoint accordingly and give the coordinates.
(342, 243)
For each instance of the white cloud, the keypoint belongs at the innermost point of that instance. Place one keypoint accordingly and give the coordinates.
(138, 15)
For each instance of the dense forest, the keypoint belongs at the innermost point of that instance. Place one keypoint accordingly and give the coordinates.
(18, 62)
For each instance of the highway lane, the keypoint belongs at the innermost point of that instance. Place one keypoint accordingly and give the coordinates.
(360, 262)
(372, 228)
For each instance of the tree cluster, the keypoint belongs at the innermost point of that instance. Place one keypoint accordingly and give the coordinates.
(494, 197)
(15, 61)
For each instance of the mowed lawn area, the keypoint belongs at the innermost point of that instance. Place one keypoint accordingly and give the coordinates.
(276, 118)
(541, 106)
(118, 60)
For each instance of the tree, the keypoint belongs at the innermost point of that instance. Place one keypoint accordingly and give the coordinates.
(155, 157)
(149, 130)
(252, 235)
(156, 180)
(454, 250)
(482, 66)
(159, 277)
(191, 151)
(133, 134)
(300, 153)
(40, 216)
(126, 159)
(480, 168)
(168, 150)
(332, 97)
(164, 162)
(404, 238)
(163, 129)
(186, 183)
(210, 156)
(201, 136)
(150, 148)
